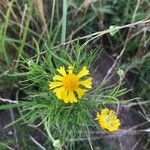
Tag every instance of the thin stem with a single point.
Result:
(64, 20)
(52, 17)
(48, 132)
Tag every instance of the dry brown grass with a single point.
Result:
(4, 3)
(39, 9)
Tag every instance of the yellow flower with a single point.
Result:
(108, 120)
(69, 86)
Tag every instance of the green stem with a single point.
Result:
(48, 132)
(52, 17)
(64, 20)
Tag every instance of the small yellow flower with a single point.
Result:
(108, 120)
(69, 86)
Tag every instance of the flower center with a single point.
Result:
(108, 119)
(71, 82)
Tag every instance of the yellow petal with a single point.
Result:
(97, 116)
(112, 129)
(87, 83)
(62, 71)
(80, 92)
(64, 94)
(104, 111)
(58, 77)
(71, 97)
(54, 84)
(70, 69)
(83, 72)
(58, 92)
(103, 122)
(116, 122)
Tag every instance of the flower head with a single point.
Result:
(69, 86)
(108, 120)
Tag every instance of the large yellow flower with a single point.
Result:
(108, 120)
(68, 86)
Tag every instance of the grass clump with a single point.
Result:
(40, 106)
